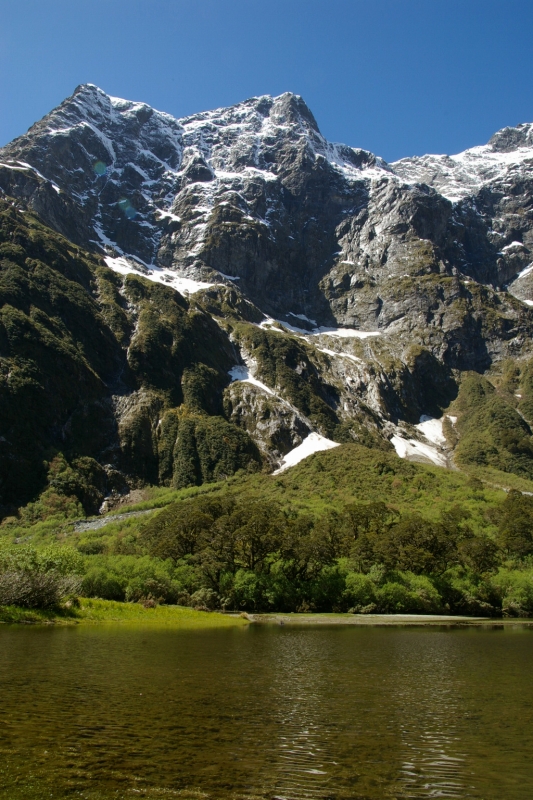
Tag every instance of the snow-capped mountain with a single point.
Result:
(255, 192)
(329, 293)
(124, 162)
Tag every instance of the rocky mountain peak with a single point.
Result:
(509, 139)
(255, 192)
(291, 109)
(508, 155)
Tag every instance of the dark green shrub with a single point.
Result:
(395, 598)
(100, 583)
(360, 591)
(515, 524)
(92, 547)
(516, 590)
(325, 592)
(248, 590)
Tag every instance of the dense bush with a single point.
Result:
(36, 589)
(136, 579)
(516, 590)
(515, 524)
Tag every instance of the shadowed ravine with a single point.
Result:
(267, 711)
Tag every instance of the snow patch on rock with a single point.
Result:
(335, 354)
(339, 333)
(525, 272)
(345, 333)
(157, 275)
(303, 318)
(229, 277)
(410, 448)
(431, 428)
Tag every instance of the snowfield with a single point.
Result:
(431, 428)
(313, 444)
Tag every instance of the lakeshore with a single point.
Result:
(418, 620)
(93, 611)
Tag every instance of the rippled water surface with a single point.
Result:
(266, 711)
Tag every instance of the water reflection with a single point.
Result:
(299, 714)
(429, 698)
(303, 764)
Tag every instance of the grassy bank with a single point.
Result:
(92, 611)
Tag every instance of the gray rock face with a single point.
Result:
(277, 426)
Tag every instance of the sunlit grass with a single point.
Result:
(98, 611)
(92, 610)
(14, 614)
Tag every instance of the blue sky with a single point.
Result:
(398, 77)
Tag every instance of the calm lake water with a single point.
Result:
(266, 711)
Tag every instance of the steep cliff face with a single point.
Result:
(258, 276)
(122, 376)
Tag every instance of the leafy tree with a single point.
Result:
(515, 524)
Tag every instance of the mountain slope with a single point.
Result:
(201, 294)
(92, 366)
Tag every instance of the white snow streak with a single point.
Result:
(339, 333)
(345, 333)
(524, 272)
(229, 277)
(340, 355)
(512, 246)
(168, 215)
(24, 166)
(241, 373)
(303, 317)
